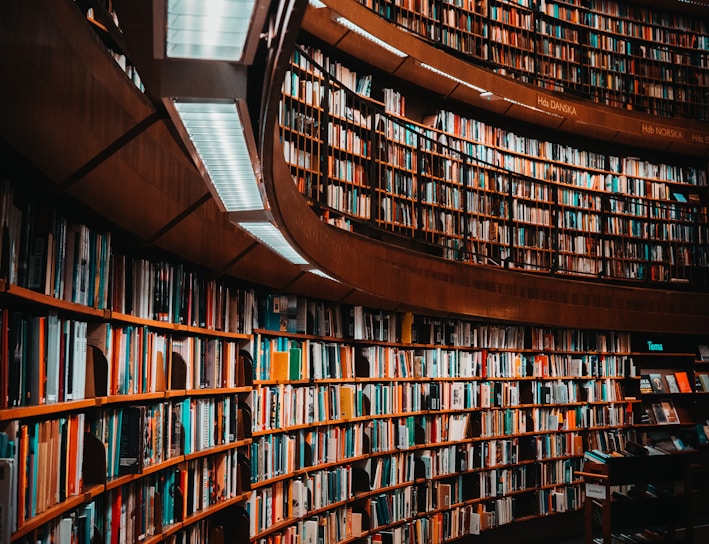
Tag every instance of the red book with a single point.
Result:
(116, 517)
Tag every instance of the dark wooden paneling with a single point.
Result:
(54, 110)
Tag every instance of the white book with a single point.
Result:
(78, 360)
(457, 396)
(310, 532)
(53, 357)
(64, 530)
(299, 505)
(68, 354)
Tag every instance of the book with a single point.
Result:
(668, 408)
(683, 382)
(672, 385)
(645, 384)
(444, 496)
(658, 383)
(7, 499)
(660, 415)
(131, 447)
(704, 381)
(648, 416)
(703, 352)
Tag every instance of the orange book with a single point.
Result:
(347, 401)
(22, 482)
(71, 457)
(683, 382)
(279, 365)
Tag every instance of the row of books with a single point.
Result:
(145, 508)
(439, 226)
(560, 499)
(48, 359)
(162, 291)
(511, 421)
(283, 359)
(43, 252)
(335, 525)
(286, 406)
(299, 315)
(662, 412)
(632, 167)
(42, 467)
(281, 454)
(137, 437)
(665, 382)
(457, 31)
(73, 262)
(561, 471)
(43, 359)
(82, 526)
(428, 516)
(635, 167)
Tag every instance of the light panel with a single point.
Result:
(268, 234)
(371, 37)
(452, 78)
(208, 29)
(322, 274)
(217, 133)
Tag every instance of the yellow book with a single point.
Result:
(280, 361)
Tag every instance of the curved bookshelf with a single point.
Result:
(625, 55)
(103, 408)
(466, 437)
(380, 268)
(469, 191)
(457, 78)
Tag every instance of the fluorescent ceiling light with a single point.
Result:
(453, 78)
(322, 274)
(217, 133)
(268, 234)
(359, 30)
(208, 29)
(487, 95)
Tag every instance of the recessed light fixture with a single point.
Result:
(208, 29)
(218, 134)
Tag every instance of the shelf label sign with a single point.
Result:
(699, 138)
(654, 346)
(556, 105)
(596, 491)
(664, 132)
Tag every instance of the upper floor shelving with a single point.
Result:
(622, 54)
(470, 191)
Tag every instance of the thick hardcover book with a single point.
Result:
(131, 447)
